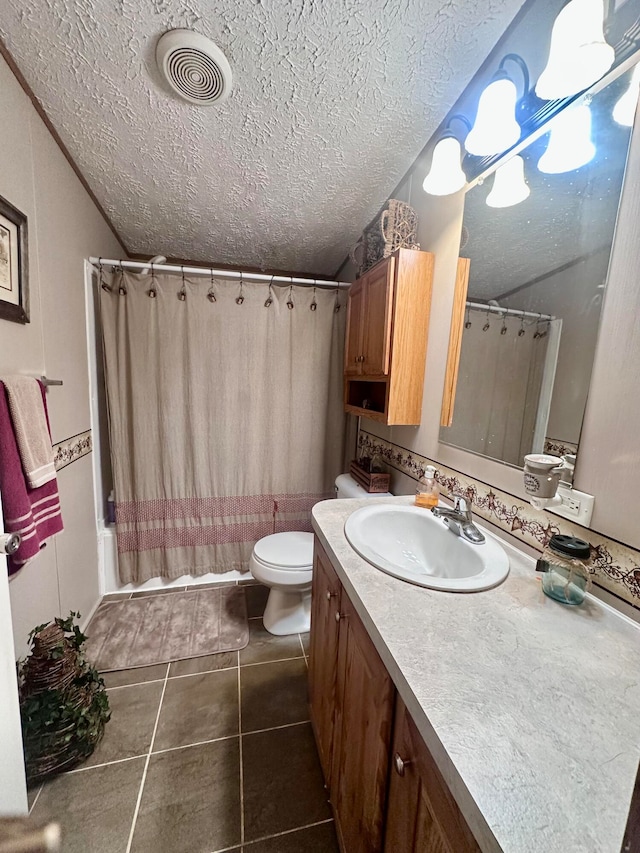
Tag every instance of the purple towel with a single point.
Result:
(33, 513)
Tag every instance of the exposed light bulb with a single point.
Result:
(625, 109)
(495, 128)
(570, 145)
(579, 54)
(445, 176)
(509, 184)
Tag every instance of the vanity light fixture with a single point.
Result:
(509, 184)
(579, 54)
(495, 128)
(625, 108)
(445, 175)
(570, 145)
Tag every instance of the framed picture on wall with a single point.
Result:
(14, 288)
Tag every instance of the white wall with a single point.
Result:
(64, 227)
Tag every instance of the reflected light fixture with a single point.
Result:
(509, 184)
(570, 145)
(495, 128)
(625, 109)
(445, 175)
(579, 54)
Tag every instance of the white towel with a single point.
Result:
(30, 426)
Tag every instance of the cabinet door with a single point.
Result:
(422, 816)
(364, 711)
(323, 654)
(377, 321)
(355, 325)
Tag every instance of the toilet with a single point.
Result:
(284, 562)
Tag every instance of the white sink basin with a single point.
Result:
(412, 544)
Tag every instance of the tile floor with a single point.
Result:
(203, 755)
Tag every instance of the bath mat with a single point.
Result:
(163, 628)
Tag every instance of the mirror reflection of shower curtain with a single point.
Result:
(226, 421)
(498, 396)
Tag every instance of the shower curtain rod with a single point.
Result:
(208, 272)
(515, 312)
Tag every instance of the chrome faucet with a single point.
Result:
(459, 519)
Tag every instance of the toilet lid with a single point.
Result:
(286, 550)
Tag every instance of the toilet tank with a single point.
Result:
(346, 487)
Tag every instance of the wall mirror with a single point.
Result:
(536, 283)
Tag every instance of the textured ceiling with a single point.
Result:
(332, 101)
(566, 216)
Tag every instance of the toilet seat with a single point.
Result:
(285, 551)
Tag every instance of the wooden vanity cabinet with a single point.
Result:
(422, 816)
(323, 655)
(352, 699)
(385, 789)
(386, 338)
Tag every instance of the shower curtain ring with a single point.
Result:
(152, 289)
(467, 324)
(521, 331)
(290, 300)
(240, 297)
(336, 305)
(182, 293)
(211, 295)
(269, 300)
(537, 334)
(487, 324)
(314, 304)
(103, 283)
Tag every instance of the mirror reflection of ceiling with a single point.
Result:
(570, 215)
(331, 103)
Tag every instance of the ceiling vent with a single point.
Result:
(194, 67)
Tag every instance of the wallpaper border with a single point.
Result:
(615, 566)
(71, 449)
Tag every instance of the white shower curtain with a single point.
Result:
(225, 417)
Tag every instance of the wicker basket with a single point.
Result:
(63, 702)
(395, 228)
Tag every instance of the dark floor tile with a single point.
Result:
(273, 694)
(198, 708)
(206, 663)
(283, 785)
(138, 675)
(221, 585)
(94, 807)
(257, 595)
(314, 839)
(145, 593)
(116, 596)
(191, 800)
(133, 717)
(264, 646)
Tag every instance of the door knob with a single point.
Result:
(9, 543)
(399, 764)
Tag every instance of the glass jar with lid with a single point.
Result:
(565, 564)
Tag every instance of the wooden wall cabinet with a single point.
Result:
(385, 789)
(386, 338)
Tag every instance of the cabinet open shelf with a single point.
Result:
(364, 397)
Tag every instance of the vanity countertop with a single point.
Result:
(530, 708)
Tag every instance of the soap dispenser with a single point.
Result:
(427, 492)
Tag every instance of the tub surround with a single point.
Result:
(616, 566)
(527, 706)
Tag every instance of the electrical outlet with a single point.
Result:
(576, 506)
